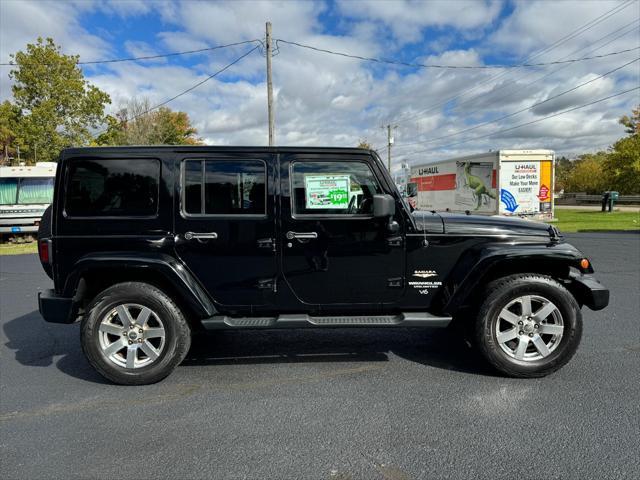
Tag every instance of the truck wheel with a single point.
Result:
(528, 325)
(134, 334)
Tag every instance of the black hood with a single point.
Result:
(480, 225)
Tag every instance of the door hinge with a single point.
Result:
(395, 241)
(267, 243)
(397, 282)
(268, 284)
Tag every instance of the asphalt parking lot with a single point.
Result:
(326, 404)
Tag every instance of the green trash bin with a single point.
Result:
(609, 199)
(614, 197)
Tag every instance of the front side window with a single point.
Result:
(114, 187)
(224, 187)
(333, 188)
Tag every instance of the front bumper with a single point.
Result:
(590, 291)
(56, 309)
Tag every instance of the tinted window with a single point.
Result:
(113, 187)
(333, 188)
(221, 187)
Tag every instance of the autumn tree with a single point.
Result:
(137, 123)
(57, 107)
(365, 144)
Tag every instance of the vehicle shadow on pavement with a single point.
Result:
(40, 344)
(437, 348)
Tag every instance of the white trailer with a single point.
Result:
(503, 182)
(25, 193)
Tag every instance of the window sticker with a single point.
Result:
(327, 191)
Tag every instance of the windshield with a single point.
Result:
(26, 191)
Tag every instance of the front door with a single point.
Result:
(335, 254)
(226, 227)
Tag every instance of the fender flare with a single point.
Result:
(476, 264)
(166, 266)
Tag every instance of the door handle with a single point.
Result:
(200, 236)
(301, 235)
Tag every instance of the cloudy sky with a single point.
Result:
(324, 99)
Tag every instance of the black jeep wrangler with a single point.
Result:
(148, 245)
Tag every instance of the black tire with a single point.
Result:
(44, 228)
(498, 295)
(176, 329)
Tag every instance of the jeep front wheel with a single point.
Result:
(528, 325)
(134, 334)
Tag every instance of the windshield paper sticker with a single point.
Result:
(327, 191)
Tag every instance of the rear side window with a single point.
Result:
(224, 187)
(118, 187)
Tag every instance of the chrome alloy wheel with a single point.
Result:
(131, 336)
(529, 328)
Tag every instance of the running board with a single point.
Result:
(414, 319)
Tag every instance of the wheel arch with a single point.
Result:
(94, 273)
(480, 268)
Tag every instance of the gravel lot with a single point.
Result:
(326, 404)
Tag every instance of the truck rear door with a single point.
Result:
(226, 226)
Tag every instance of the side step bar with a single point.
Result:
(413, 319)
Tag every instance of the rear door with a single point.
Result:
(226, 227)
(335, 253)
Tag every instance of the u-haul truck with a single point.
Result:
(503, 182)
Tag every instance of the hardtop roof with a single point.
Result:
(210, 148)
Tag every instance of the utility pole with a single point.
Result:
(270, 87)
(389, 143)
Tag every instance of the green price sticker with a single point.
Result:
(338, 197)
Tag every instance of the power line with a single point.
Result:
(421, 65)
(151, 57)
(530, 122)
(587, 26)
(226, 67)
(465, 130)
(510, 94)
(512, 82)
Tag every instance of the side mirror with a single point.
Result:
(383, 206)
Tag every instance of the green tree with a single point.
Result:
(564, 168)
(622, 165)
(632, 123)
(588, 174)
(58, 107)
(9, 138)
(136, 124)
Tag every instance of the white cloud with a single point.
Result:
(23, 22)
(408, 18)
(330, 100)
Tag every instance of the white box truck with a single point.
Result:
(501, 182)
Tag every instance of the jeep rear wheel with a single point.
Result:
(134, 334)
(528, 325)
